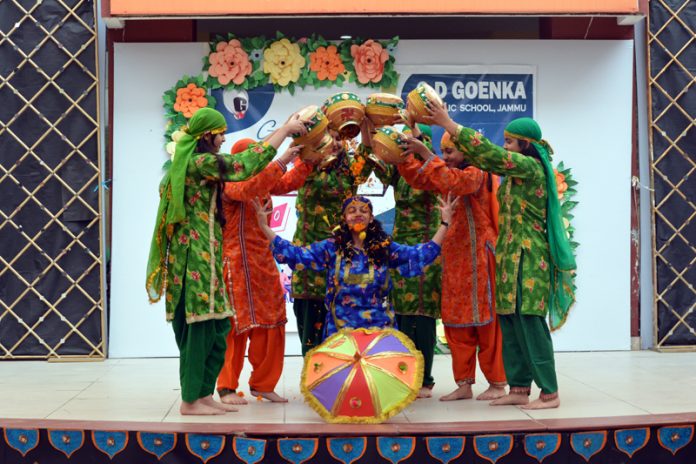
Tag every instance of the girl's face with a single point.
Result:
(512, 144)
(452, 157)
(357, 213)
(217, 141)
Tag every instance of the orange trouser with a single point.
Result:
(266, 351)
(463, 342)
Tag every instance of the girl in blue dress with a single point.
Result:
(357, 258)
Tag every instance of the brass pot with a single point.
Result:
(319, 151)
(316, 123)
(386, 145)
(419, 98)
(345, 113)
(382, 108)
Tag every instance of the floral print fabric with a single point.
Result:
(416, 220)
(357, 293)
(195, 250)
(522, 246)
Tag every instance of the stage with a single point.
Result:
(615, 407)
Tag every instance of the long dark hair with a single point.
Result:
(205, 145)
(526, 148)
(376, 242)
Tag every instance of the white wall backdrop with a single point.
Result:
(583, 103)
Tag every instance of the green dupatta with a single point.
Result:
(171, 209)
(562, 257)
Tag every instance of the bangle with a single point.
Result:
(283, 166)
(424, 165)
(446, 224)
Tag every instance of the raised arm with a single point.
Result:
(412, 172)
(483, 153)
(293, 179)
(410, 260)
(438, 176)
(257, 186)
(314, 256)
(235, 168)
(261, 184)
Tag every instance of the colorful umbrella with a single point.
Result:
(362, 375)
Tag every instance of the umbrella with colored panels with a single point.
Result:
(362, 375)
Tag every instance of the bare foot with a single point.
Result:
(539, 404)
(511, 399)
(463, 392)
(209, 401)
(270, 396)
(198, 408)
(492, 393)
(425, 392)
(233, 398)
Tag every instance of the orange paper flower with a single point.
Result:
(369, 59)
(190, 99)
(229, 63)
(326, 62)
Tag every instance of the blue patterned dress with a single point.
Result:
(357, 293)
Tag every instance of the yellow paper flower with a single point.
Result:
(283, 61)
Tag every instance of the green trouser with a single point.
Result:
(527, 349)
(201, 352)
(421, 329)
(311, 316)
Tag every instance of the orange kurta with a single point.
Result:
(468, 252)
(253, 281)
(468, 267)
(251, 274)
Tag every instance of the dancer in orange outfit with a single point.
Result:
(253, 280)
(468, 270)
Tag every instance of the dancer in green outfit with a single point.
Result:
(185, 261)
(533, 255)
(416, 299)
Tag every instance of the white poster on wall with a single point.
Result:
(568, 86)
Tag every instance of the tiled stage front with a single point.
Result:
(616, 407)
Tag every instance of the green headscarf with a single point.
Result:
(562, 258)
(171, 208)
(427, 134)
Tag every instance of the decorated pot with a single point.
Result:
(381, 108)
(385, 144)
(345, 112)
(417, 100)
(316, 122)
(318, 151)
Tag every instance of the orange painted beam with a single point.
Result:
(333, 7)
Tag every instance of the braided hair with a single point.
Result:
(205, 145)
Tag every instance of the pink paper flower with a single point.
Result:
(229, 63)
(369, 59)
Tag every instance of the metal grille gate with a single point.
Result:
(672, 52)
(51, 295)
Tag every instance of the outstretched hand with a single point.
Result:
(291, 153)
(262, 211)
(446, 206)
(295, 126)
(437, 115)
